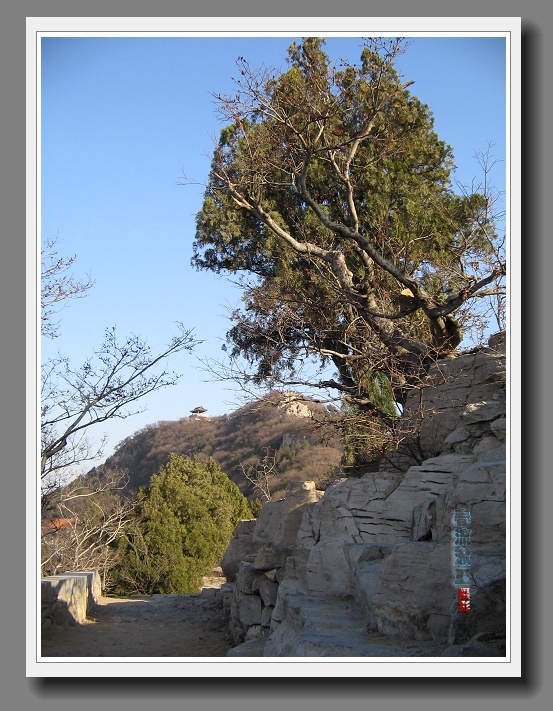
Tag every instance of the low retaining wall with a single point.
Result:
(67, 599)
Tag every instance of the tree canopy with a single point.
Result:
(330, 194)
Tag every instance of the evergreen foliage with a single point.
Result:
(185, 520)
(330, 191)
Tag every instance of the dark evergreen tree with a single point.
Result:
(185, 520)
(330, 192)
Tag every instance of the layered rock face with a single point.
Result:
(256, 558)
(406, 561)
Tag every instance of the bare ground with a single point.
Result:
(145, 626)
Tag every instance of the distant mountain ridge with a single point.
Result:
(296, 434)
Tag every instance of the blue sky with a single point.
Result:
(124, 118)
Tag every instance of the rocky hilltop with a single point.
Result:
(409, 560)
(294, 435)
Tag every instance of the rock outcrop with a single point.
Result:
(256, 558)
(405, 561)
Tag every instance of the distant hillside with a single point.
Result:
(294, 434)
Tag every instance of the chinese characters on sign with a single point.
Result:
(462, 556)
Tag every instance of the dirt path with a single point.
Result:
(145, 626)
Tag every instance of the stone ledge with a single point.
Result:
(66, 599)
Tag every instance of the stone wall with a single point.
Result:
(68, 598)
(373, 558)
(256, 557)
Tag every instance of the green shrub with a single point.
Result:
(185, 520)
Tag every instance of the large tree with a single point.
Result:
(330, 193)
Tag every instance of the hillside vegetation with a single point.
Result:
(275, 437)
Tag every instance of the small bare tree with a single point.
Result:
(259, 475)
(84, 522)
(57, 286)
(107, 385)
